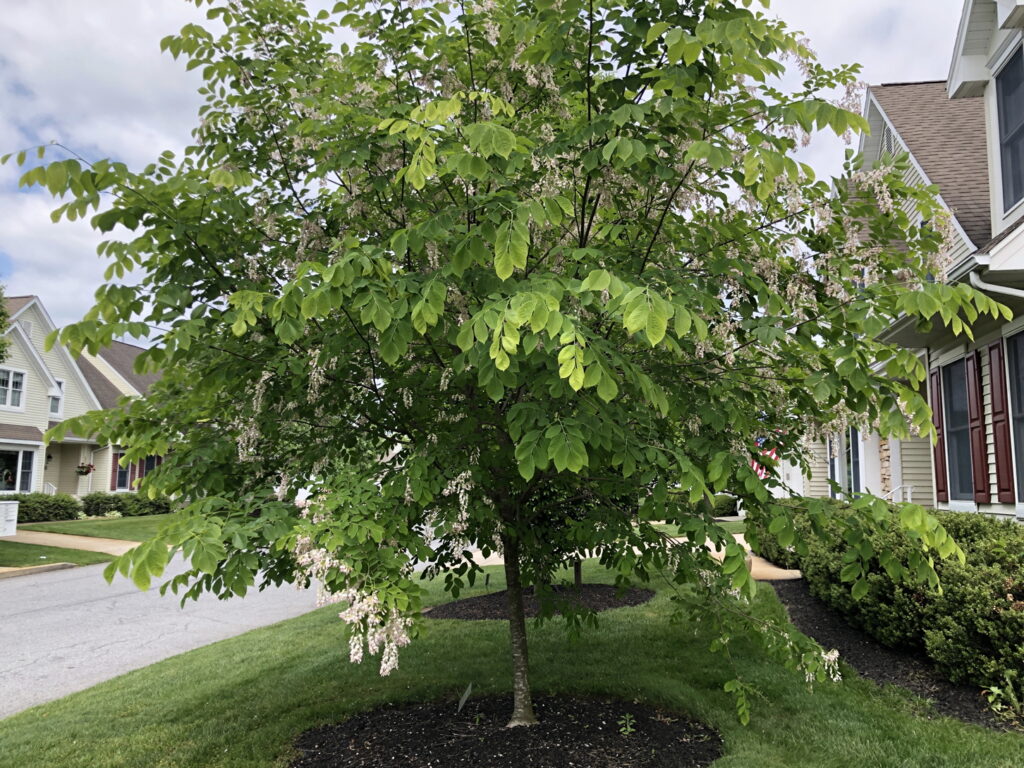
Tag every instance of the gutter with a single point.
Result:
(1003, 290)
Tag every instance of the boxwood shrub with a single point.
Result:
(973, 631)
(42, 507)
(99, 503)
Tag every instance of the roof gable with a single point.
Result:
(947, 139)
(121, 357)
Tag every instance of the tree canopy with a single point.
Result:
(489, 254)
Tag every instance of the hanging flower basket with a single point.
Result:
(85, 469)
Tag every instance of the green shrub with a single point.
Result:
(726, 505)
(126, 504)
(99, 503)
(42, 507)
(138, 506)
(973, 631)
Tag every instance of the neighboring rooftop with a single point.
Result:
(101, 386)
(121, 357)
(947, 138)
(16, 303)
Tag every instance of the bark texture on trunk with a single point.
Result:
(522, 709)
(577, 572)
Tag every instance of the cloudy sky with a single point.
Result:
(91, 75)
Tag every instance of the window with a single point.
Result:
(16, 470)
(12, 388)
(1010, 96)
(958, 432)
(57, 403)
(844, 463)
(1015, 364)
(853, 461)
(149, 465)
(123, 480)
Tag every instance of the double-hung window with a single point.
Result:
(12, 388)
(57, 401)
(123, 478)
(958, 431)
(1010, 97)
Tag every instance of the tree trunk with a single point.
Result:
(577, 572)
(522, 709)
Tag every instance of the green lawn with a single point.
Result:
(242, 701)
(15, 555)
(127, 528)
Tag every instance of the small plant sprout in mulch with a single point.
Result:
(574, 732)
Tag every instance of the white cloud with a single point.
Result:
(91, 75)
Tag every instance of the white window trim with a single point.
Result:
(21, 449)
(60, 401)
(24, 389)
(960, 505)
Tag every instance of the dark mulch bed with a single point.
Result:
(883, 665)
(573, 732)
(590, 597)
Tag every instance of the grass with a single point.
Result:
(126, 528)
(16, 555)
(240, 703)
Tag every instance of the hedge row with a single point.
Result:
(973, 631)
(43, 507)
(127, 504)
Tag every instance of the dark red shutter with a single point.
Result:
(939, 450)
(133, 469)
(1001, 424)
(976, 419)
(113, 471)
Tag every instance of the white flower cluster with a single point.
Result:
(374, 627)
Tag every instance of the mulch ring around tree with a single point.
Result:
(874, 661)
(590, 597)
(572, 733)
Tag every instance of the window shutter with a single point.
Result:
(113, 470)
(976, 419)
(939, 449)
(1001, 424)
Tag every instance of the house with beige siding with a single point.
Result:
(39, 388)
(966, 136)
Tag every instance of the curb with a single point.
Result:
(30, 569)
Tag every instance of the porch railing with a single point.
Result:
(49, 489)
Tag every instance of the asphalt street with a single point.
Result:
(64, 631)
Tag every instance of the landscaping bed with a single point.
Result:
(588, 597)
(573, 732)
(885, 666)
(248, 699)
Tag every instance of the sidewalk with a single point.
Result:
(89, 543)
(760, 568)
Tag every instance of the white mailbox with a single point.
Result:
(8, 518)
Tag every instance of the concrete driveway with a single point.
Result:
(67, 630)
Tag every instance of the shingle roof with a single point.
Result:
(947, 138)
(121, 357)
(101, 386)
(16, 303)
(20, 432)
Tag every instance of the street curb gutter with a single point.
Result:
(30, 569)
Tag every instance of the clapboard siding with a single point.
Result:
(916, 466)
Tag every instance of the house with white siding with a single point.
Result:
(40, 388)
(966, 136)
